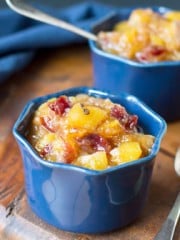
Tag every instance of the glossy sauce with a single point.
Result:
(145, 37)
(86, 131)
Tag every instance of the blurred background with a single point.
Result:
(62, 3)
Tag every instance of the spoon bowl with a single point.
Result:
(168, 228)
(177, 162)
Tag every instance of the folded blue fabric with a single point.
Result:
(21, 37)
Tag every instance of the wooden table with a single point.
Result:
(51, 71)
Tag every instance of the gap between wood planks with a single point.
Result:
(14, 227)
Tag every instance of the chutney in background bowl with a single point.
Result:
(82, 200)
(155, 83)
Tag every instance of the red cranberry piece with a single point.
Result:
(157, 50)
(46, 150)
(128, 121)
(60, 105)
(119, 113)
(94, 142)
(150, 54)
(132, 122)
(47, 123)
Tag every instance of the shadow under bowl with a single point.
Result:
(76, 199)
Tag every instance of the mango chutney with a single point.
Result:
(86, 131)
(146, 36)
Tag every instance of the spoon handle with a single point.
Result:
(28, 11)
(168, 228)
(177, 162)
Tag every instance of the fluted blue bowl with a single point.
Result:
(76, 199)
(157, 84)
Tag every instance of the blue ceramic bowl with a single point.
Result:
(81, 200)
(157, 84)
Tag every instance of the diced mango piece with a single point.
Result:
(173, 15)
(88, 117)
(125, 152)
(96, 161)
(140, 16)
(145, 141)
(110, 128)
(156, 40)
(127, 39)
(45, 140)
(121, 27)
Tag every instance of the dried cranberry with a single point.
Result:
(132, 122)
(127, 120)
(157, 50)
(47, 123)
(94, 142)
(150, 54)
(119, 113)
(46, 150)
(60, 105)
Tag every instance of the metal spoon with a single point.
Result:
(29, 11)
(177, 162)
(167, 230)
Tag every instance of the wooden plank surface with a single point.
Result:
(49, 72)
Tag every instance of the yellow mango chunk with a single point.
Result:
(146, 141)
(121, 27)
(88, 117)
(45, 140)
(173, 15)
(110, 128)
(139, 17)
(126, 152)
(96, 161)
(156, 40)
(127, 39)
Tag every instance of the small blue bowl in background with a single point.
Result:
(76, 199)
(157, 84)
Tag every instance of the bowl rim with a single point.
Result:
(98, 51)
(87, 90)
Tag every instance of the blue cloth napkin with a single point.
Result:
(21, 37)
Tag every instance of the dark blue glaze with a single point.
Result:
(81, 200)
(157, 84)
